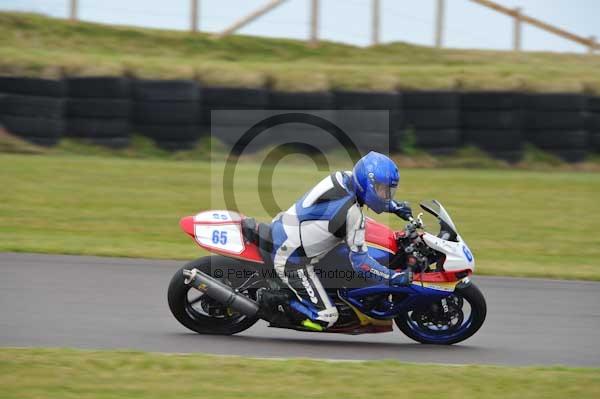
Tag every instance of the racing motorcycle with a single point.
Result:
(220, 294)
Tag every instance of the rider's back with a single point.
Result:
(316, 223)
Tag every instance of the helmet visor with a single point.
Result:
(384, 191)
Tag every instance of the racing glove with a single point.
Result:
(401, 209)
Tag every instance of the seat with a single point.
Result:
(259, 235)
(250, 230)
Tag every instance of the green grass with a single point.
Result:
(518, 223)
(36, 45)
(62, 373)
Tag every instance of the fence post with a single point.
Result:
(73, 11)
(194, 7)
(439, 24)
(375, 22)
(517, 29)
(593, 45)
(314, 23)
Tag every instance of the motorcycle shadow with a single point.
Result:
(357, 342)
(363, 347)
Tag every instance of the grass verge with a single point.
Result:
(63, 373)
(518, 223)
(41, 46)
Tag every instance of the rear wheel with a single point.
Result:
(200, 313)
(446, 322)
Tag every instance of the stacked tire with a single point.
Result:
(99, 110)
(593, 123)
(33, 108)
(228, 112)
(305, 105)
(556, 124)
(167, 111)
(433, 117)
(370, 130)
(492, 122)
(301, 101)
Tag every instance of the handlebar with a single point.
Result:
(415, 223)
(415, 244)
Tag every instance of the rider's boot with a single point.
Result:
(272, 305)
(306, 315)
(282, 308)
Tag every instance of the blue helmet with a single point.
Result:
(376, 179)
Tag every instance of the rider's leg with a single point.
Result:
(290, 266)
(311, 299)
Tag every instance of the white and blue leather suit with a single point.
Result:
(327, 215)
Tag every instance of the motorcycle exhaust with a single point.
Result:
(220, 292)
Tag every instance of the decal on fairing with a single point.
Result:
(217, 216)
(441, 286)
(226, 237)
(467, 253)
(219, 230)
(458, 255)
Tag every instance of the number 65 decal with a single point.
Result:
(219, 237)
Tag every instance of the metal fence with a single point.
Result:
(517, 14)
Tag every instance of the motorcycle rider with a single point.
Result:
(328, 214)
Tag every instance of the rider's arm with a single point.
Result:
(361, 262)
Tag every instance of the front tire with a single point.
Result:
(421, 332)
(192, 314)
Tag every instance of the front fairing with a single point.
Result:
(448, 241)
(427, 287)
(458, 255)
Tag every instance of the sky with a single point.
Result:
(467, 25)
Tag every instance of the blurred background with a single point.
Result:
(491, 107)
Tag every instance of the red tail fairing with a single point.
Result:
(220, 232)
(187, 225)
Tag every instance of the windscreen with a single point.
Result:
(436, 209)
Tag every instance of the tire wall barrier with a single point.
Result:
(319, 103)
(33, 108)
(492, 121)
(229, 126)
(99, 110)
(378, 133)
(593, 122)
(433, 119)
(176, 113)
(557, 123)
(167, 111)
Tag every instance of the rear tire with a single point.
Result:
(470, 294)
(195, 321)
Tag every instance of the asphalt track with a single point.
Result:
(106, 303)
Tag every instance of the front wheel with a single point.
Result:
(200, 313)
(446, 322)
